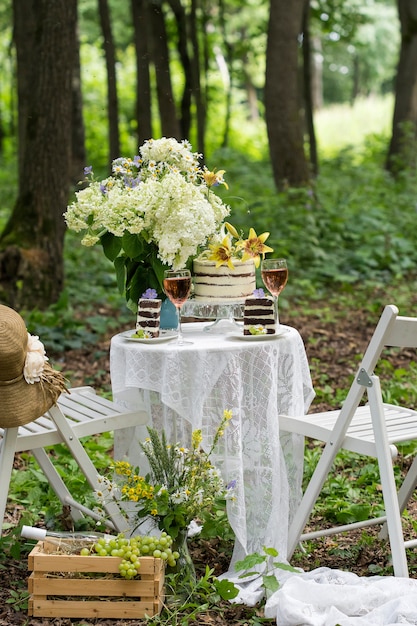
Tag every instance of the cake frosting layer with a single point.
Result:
(259, 312)
(149, 316)
(222, 284)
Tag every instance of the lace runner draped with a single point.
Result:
(188, 388)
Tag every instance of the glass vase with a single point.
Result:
(169, 316)
(184, 565)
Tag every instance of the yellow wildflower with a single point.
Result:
(232, 230)
(212, 179)
(222, 253)
(254, 246)
(196, 438)
(227, 414)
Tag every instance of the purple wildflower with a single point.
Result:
(259, 293)
(88, 170)
(150, 294)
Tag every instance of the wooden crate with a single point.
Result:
(69, 585)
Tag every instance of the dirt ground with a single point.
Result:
(334, 345)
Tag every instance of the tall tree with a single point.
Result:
(170, 126)
(112, 99)
(308, 86)
(404, 127)
(283, 110)
(182, 46)
(31, 245)
(78, 129)
(141, 25)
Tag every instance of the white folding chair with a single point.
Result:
(373, 430)
(77, 414)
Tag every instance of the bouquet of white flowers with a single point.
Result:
(153, 212)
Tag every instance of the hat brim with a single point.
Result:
(22, 403)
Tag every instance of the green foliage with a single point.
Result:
(263, 565)
(184, 603)
(353, 225)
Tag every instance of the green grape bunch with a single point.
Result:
(130, 550)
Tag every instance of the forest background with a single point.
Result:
(252, 85)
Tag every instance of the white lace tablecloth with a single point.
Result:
(189, 387)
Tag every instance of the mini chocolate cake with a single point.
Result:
(149, 316)
(259, 312)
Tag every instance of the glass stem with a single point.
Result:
(276, 312)
(180, 336)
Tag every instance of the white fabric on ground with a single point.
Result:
(327, 597)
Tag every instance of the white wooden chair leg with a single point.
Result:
(389, 490)
(55, 481)
(86, 466)
(7, 452)
(404, 494)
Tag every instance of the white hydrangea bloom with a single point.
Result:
(160, 195)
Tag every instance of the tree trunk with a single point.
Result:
(404, 128)
(308, 87)
(78, 130)
(112, 100)
(141, 25)
(181, 20)
(168, 115)
(282, 94)
(199, 96)
(31, 245)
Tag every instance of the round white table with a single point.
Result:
(185, 388)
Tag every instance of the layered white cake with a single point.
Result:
(259, 315)
(222, 284)
(149, 316)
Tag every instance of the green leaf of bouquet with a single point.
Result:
(133, 245)
(270, 583)
(271, 552)
(226, 589)
(138, 282)
(111, 245)
(250, 561)
(119, 266)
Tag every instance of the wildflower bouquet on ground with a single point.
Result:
(228, 245)
(153, 212)
(181, 484)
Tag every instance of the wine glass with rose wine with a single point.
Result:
(274, 274)
(177, 286)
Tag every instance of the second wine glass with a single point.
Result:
(274, 274)
(177, 286)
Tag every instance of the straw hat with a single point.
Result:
(28, 385)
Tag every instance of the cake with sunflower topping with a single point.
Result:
(225, 272)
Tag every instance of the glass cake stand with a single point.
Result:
(225, 314)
